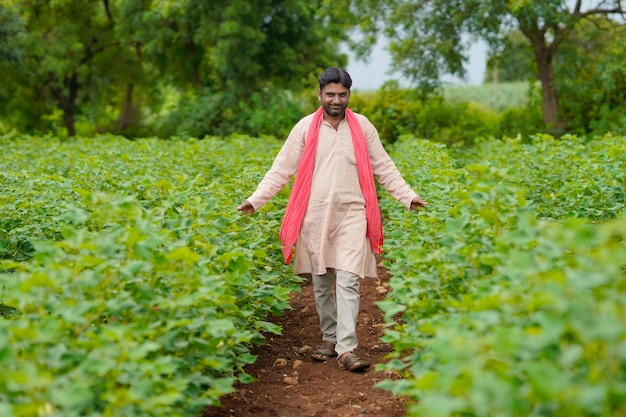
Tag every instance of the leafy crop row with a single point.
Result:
(509, 292)
(566, 177)
(131, 285)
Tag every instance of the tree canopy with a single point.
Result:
(590, 71)
(108, 63)
(72, 56)
(430, 38)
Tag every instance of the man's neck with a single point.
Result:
(334, 120)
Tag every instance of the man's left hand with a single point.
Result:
(417, 203)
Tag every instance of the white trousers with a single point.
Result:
(337, 298)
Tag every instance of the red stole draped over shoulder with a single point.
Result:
(299, 197)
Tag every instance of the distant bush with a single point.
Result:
(612, 120)
(523, 121)
(396, 112)
(460, 114)
(210, 113)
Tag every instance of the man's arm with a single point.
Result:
(283, 168)
(386, 172)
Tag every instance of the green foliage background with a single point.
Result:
(509, 291)
(149, 68)
(130, 284)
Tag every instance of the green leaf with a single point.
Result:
(6, 355)
(481, 169)
(438, 405)
(390, 308)
(247, 358)
(72, 395)
(546, 379)
(49, 329)
(38, 279)
(245, 378)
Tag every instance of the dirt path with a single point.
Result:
(291, 384)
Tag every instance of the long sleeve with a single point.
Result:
(383, 167)
(284, 166)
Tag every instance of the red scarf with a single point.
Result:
(299, 197)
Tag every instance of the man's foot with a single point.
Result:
(352, 363)
(324, 352)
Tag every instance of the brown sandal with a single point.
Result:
(352, 363)
(324, 352)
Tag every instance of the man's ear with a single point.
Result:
(319, 95)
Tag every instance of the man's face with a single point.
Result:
(334, 98)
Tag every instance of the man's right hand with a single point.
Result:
(246, 207)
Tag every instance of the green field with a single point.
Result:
(131, 286)
(498, 97)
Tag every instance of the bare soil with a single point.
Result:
(291, 384)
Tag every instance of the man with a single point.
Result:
(333, 212)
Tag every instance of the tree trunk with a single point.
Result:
(69, 111)
(70, 122)
(129, 115)
(494, 78)
(549, 102)
(66, 96)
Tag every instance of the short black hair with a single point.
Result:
(335, 75)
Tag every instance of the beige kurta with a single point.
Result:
(334, 226)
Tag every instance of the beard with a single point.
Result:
(333, 110)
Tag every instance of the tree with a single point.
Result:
(233, 45)
(592, 77)
(10, 27)
(75, 55)
(429, 38)
(229, 50)
(590, 73)
(62, 46)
